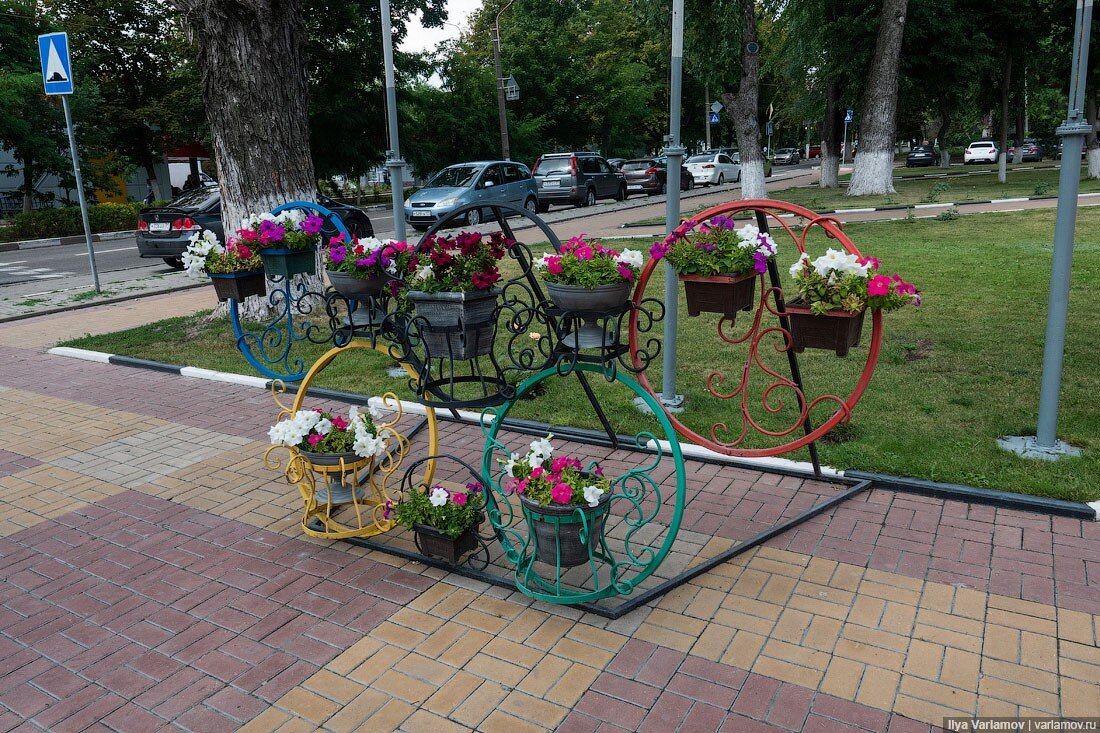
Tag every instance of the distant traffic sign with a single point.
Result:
(771, 127)
(716, 107)
(849, 115)
(57, 69)
(714, 119)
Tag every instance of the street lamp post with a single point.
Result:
(393, 155)
(674, 155)
(504, 146)
(1045, 444)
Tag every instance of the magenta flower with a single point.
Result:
(537, 472)
(311, 224)
(659, 250)
(760, 262)
(626, 273)
(336, 255)
(473, 487)
(387, 510)
(553, 265)
(271, 232)
(458, 498)
(315, 438)
(871, 262)
(561, 493)
(339, 423)
(583, 252)
(879, 285)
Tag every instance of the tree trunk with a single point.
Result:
(874, 166)
(251, 56)
(1002, 152)
(830, 135)
(1092, 141)
(28, 184)
(743, 109)
(945, 125)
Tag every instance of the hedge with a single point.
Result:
(65, 221)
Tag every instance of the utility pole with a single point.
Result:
(1045, 444)
(674, 155)
(706, 112)
(505, 149)
(393, 155)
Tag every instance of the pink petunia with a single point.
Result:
(879, 285)
(458, 498)
(537, 472)
(561, 493)
(583, 253)
(625, 272)
(339, 423)
(315, 438)
(559, 464)
(553, 265)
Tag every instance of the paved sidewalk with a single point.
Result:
(155, 576)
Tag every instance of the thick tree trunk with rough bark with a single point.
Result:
(874, 166)
(830, 135)
(1002, 148)
(252, 57)
(743, 109)
(1092, 141)
(945, 126)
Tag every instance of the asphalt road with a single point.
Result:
(58, 263)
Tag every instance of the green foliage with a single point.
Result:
(452, 518)
(66, 221)
(1042, 189)
(840, 281)
(934, 193)
(949, 215)
(465, 262)
(589, 265)
(556, 481)
(719, 250)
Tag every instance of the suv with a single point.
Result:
(576, 178)
(165, 232)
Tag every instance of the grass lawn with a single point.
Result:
(954, 374)
(912, 190)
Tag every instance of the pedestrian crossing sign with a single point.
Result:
(57, 68)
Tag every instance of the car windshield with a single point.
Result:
(552, 165)
(638, 165)
(981, 145)
(457, 176)
(701, 158)
(922, 149)
(200, 198)
(786, 151)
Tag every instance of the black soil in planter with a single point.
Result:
(837, 331)
(238, 285)
(558, 528)
(435, 543)
(724, 294)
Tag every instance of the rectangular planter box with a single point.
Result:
(460, 326)
(725, 294)
(837, 331)
(281, 262)
(436, 544)
(239, 285)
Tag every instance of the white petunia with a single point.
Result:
(541, 450)
(631, 257)
(766, 244)
(439, 496)
(323, 426)
(796, 268)
(286, 433)
(510, 465)
(369, 446)
(831, 260)
(391, 268)
(748, 232)
(370, 244)
(374, 412)
(425, 273)
(592, 495)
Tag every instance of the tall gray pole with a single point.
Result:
(706, 111)
(393, 155)
(1045, 444)
(674, 154)
(505, 148)
(80, 190)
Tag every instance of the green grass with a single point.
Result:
(90, 295)
(30, 301)
(924, 190)
(953, 376)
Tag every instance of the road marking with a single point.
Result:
(23, 262)
(853, 211)
(1009, 201)
(931, 206)
(105, 251)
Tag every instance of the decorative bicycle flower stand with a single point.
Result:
(638, 543)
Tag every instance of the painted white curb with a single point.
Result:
(1009, 201)
(698, 451)
(84, 354)
(229, 377)
(931, 206)
(855, 211)
(1096, 508)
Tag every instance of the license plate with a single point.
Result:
(551, 183)
(635, 187)
(422, 215)
(159, 226)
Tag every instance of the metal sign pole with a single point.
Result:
(80, 191)
(393, 155)
(674, 155)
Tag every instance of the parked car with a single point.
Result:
(814, 151)
(1058, 152)
(650, 175)
(982, 151)
(165, 232)
(1032, 151)
(713, 168)
(920, 155)
(579, 179)
(616, 163)
(484, 182)
(787, 156)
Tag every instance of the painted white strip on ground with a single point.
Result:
(697, 451)
(1083, 195)
(84, 354)
(1009, 201)
(1096, 508)
(105, 251)
(854, 211)
(214, 376)
(931, 206)
(9, 264)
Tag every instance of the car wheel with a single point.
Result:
(664, 188)
(176, 263)
(531, 205)
(359, 228)
(721, 179)
(590, 197)
(690, 183)
(738, 176)
(420, 227)
(473, 217)
(543, 207)
(621, 196)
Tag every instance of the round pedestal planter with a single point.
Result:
(365, 292)
(282, 262)
(335, 486)
(433, 542)
(589, 305)
(724, 294)
(238, 285)
(836, 331)
(459, 325)
(556, 531)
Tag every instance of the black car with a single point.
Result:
(920, 155)
(165, 232)
(649, 175)
(576, 178)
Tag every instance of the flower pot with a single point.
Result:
(365, 292)
(283, 262)
(725, 294)
(238, 285)
(589, 304)
(433, 542)
(457, 326)
(557, 529)
(837, 330)
(336, 487)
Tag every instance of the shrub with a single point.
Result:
(66, 222)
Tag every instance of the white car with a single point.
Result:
(982, 151)
(713, 168)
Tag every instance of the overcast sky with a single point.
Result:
(426, 39)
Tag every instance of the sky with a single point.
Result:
(420, 38)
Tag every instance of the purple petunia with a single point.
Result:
(760, 261)
(336, 255)
(311, 224)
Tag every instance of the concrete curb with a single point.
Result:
(93, 304)
(901, 484)
(61, 241)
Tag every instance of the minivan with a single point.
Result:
(579, 179)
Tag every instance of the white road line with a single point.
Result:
(105, 251)
(23, 262)
(931, 206)
(854, 211)
(1009, 201)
